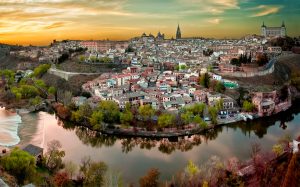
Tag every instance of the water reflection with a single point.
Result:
(184, 144)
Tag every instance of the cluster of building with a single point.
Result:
(163, 90)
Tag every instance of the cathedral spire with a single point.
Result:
(178, 33)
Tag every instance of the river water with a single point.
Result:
(134, 156)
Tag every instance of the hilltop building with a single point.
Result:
(273, 31)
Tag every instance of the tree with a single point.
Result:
(54, 155)
(277, 149)
(40, 83)
(83, 113)
(61, 179)
(35, 101)
(235, 61)
(126, 117)
(187, 117)
(146, 111)
(63, 58)
(213, 112)
(110, 110)
(219, 104)
(81, 58)
(41, 70)
(95, 174)
(262, 59)
(219, 87)
(204, 80)
(198, 109)
(66, 97)
(166, 120)
(248, 106)
(20, 164)
(198, 120)
(52, 90)
(96, 120)
(70, 168)
(192, 169)
(151, 179)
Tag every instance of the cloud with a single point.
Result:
(265, 10)
(214, 21)
(213, 6)
(55, 25)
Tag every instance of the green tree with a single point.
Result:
(95, 173)
(166, 120)
(96, 120)
(219, 104)
(93, 58)
(110, 110)
(204, 80)
(151, 179)
(20, 164)
(146, 112)
(41, 70)
(126, 117)
(182, 67)
(213, 112)
(187, 117)
(54, 155)
(52, 90)
(198, 109)
(40, 83)
(219, 87)
(35, 101)
(83, 113)
(81, 58)
(198, 120)
(248, 106)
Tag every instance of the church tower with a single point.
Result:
(263, 30)
(178, 33)
(283, 30)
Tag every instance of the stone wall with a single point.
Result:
(268, 69)
(66, 75)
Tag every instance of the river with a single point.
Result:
(134, 156)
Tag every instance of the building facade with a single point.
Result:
(273, 31)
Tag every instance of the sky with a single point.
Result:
(38, 22)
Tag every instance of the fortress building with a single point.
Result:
(273, 31)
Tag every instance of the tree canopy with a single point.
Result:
(20, 164)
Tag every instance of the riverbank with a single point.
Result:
(186, 130)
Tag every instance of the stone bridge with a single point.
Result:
(67, 75)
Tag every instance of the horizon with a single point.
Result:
(39, 22)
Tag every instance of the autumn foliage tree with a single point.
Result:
(150, 179)
(61, 179)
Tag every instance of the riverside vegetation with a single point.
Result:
(275, 168)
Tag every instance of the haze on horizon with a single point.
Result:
(38, 22)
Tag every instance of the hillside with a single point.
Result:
(284, 68)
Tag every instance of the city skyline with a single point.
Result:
(38, 22)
